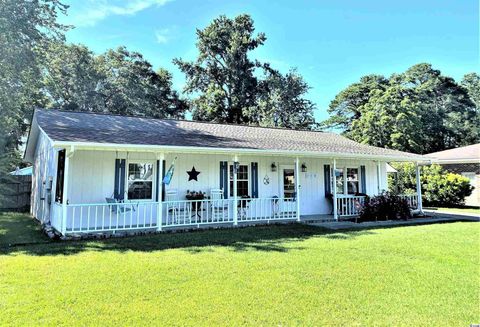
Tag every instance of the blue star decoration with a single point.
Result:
(193, 174)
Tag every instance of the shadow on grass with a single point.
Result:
(273, 238)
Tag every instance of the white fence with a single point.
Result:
(412, 200)
(197, 212)
(102, 217)
(266, 209)
(107, 217)
(201, 212)
(349, 205)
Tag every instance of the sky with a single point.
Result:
(331, 43)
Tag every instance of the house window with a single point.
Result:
(348, 183)
(140, 181)
(60, 176)
(242, 180)
(339, 180)
(352, 181)
(289, 183)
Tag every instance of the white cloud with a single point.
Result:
(91, 12)
(163, 35)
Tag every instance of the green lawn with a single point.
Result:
(273, 275)
(458, 210)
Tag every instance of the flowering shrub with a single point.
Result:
(386, 206)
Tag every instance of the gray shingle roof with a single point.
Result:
(66, 126)
(469, 152)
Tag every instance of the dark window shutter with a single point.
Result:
(363, 181)
(328, 184)
(224, 178)
(60, 176)
(163, 175)
(254, 179)
(119, 187)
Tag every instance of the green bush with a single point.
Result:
(439, 187)
(386, 206)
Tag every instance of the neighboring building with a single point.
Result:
(464, 161)
(103, 173)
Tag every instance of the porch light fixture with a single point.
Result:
(304, 168)
(274, 167)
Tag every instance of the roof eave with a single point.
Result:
(245, 151)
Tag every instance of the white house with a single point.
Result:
(101, 173)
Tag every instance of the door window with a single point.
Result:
(288, 183)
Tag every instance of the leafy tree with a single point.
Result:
(71, 77)
(118, 81)
(223, 74)
(347, 105)
(389, 119)
(282, 102)
(471, 82)
(419, 110)
(439, 187)
(27, 27)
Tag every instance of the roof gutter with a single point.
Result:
(191, 149)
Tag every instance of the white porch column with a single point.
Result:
(68, 154)
(235, 200)
(297, 186)
(334, 189)
(160, 158)
(378, 177)
(419, 191)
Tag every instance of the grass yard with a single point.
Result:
(458, 210)
(274, 275)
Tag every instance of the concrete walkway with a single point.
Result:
(432, 218)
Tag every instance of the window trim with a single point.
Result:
(249, 172)
(154, 175)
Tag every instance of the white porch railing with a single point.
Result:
(350, 205)
(197, 212)
(202, 212)
(267, 209)
(412, 200)
(103, 217)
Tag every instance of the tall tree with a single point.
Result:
(118, 81)
(26, 29)
(282, 102)
(223, 74)
(419, 110)
(471, 82)
(347, 105)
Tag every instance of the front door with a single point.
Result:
(287, 182)
(287, 188)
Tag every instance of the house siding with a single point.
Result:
(43, 172)
(91, 176)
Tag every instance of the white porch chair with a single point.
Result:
(173, 209)
(218, 204)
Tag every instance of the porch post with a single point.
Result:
(235, 200)
(68, 154)
(378, 177)
(334, 189)
(160, 157)
(297, 186)
(419, 191)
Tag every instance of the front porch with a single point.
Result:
(180, 214)
(109, 191)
